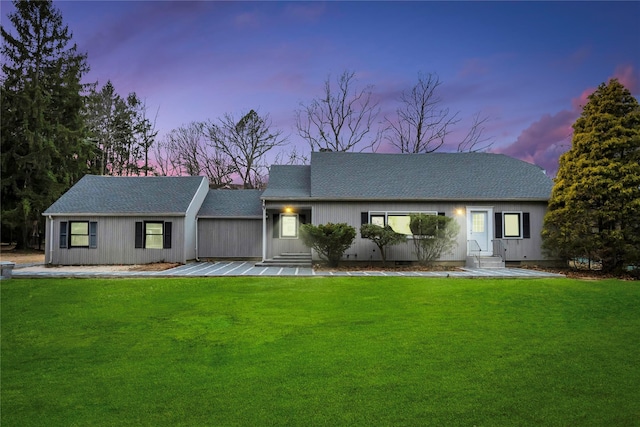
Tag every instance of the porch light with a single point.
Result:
(459, 211)
(288, 210)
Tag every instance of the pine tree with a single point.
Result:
(44, 146)
(121, 131)
(594, 211)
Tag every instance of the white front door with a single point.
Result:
(479, 231)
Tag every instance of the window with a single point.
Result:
(512, 225)
(398, 221)
(78, 234)
(377, 220)
(153, 235)
(289, 226)
(478, 220)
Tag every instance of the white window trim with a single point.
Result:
(504, 224)
(145, 234)
(386, 215)
(297, 217)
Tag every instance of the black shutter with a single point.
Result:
(139, 235)
(526, 225)
(440, 213)
(276, 223)
(93, 235)
(364, 218)
(498, 225)
(166, 241)
(63, 234)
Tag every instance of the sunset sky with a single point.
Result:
(527, 65)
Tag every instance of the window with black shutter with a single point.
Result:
(153, 234)
(63, 235)
(93, 235)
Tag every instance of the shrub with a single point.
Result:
(328, 240)
(382, 237)
(433, 236)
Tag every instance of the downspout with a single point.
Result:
(50, 240)
(197, 259)
(264, 231)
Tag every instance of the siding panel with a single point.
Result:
(365, 250)
(229, 238)
(116, 243)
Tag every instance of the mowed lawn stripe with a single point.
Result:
(320, 351)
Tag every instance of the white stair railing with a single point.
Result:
(474, 249)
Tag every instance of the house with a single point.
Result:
(230, 225)
(125, 220)
(498, 201)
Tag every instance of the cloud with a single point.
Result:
(474, 66)
(628, 77)
(574, 60)
(309, 12)
(546, 139)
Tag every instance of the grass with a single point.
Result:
(319, 352)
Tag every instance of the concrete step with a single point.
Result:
(287, 260)
(292, 255)
(484, 262)
(272, 263)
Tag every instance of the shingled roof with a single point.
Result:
(100, 195)
(435, 176)
(232, 203)
(288, 182)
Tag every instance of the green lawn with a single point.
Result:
(320, 351)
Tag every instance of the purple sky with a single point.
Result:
(528, 65)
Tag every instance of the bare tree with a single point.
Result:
(187, 147)
(186, 151)
(475, 139)
(245, 143)
(342, 119)
(291, 157)
(421, 124)
(162, 158)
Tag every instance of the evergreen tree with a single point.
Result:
(44, 146)
(121, 131)
(594, 211)
(329, 240)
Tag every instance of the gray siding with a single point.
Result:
(276, 245)
(365, 250)
(229, 238)
(525, 249)
(116, 243)
(190, 223)
(281, 246)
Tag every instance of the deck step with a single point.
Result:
(484, 262)
(287, 260)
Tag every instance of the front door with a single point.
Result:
(479, 231)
